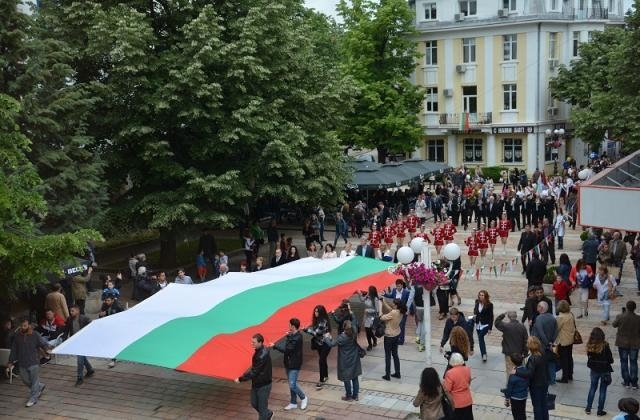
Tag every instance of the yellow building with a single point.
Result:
(486, 66)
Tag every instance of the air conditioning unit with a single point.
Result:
(553, 63)
(503, 13)
(552, 110)
(461, 68)
(448, 93)
(458, 17)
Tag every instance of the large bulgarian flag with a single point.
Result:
(206, 328)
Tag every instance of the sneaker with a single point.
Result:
(304, 403)
(634, 387)
(587, 410)
(601, 413)
(395, 375)
(345, 398)
(484, 358)
(31, 402)
(89, 373)
(418, 338)
(42, 387)
(319, 385)
(79, 382)
(291, 406)
(386, 377)
(355, 398)
(421, 348)
(111, 364)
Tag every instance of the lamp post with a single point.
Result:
(555, 142)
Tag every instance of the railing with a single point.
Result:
(474, 119)
(586, 14)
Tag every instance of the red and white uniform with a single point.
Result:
(482, 238)
(400, 227)
(438, 236)
(449, 231)
(504, 226)
(424, 236)
(473, 246)
(388, 233)
(374, 239)
(493, 235)
(412, 223)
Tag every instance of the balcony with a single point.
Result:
(460, 120)
(586, 14)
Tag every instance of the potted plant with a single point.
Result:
(548, 279)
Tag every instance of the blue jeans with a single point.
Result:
(629, 365)
(481, 343)
(31, 377)
(82, 362)
(352, 388)
(606, 304)
(391, 349)
(539, 402)
(294, 389)
(403, 323)
(260, 401)
(596, 377)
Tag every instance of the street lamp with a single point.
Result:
(554, 141)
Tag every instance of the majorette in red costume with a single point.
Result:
(412, 223)
(504, 226)
(472, 243)
(449, 231)
(482, 237)
(374, 237)
(388, 232)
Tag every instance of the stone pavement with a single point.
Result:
(132, 391)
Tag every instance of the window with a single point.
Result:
(432, 99)
(510, 47)
(468, 50)
(468, 7)
(553, 44)
(510, 97)
(431, 56)
(612, 7)
(547, 153)
(435, 150)
(512, 150)
(509, 4)
(554, 4)
(576, 43)
(470, 99)
(430, 11)
(472, 150)
(589, 36)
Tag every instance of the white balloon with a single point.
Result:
(451, 251)
(405, 255)
(417, 244)
(584, 174)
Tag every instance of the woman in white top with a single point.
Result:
(329, 252)
(606, 288)
(559, 226)
(421, 208)
(347, 251)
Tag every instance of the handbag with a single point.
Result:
(577, 338)
(378, 326)
(447, 406)
(606, 378)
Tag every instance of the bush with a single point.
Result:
(493, 172)
(550, 277)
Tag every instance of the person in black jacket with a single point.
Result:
(599, 361)
(260, 374)
(535, 271)
(483, 316)
(456, 318)
(292, 349)
(526, 243)
(531, 306)
(538, 374)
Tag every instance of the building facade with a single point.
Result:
(486, 67)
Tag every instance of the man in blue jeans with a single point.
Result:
(75, 323)
(628, 343)
(292, 349)
(260, 374)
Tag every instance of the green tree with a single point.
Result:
(602, 86)
(36, 69)
(380, 55)
(210, 108)
(25, 254)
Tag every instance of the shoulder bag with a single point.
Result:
(577, 338)
(448, 408)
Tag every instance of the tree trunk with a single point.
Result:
(168, 257)
(382, 154)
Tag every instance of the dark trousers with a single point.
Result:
(539, 402)
(391, 350)
(518, 409)
(372, 340)
(260, 401)
(565, 353)
(464, 413)
(443, 301)
(323, 353)
(403, 323)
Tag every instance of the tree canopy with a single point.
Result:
(602, 86)
(380, 55)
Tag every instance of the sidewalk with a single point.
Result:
(133, 391)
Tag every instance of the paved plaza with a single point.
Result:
(133, 391)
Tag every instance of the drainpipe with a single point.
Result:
(538, 100)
